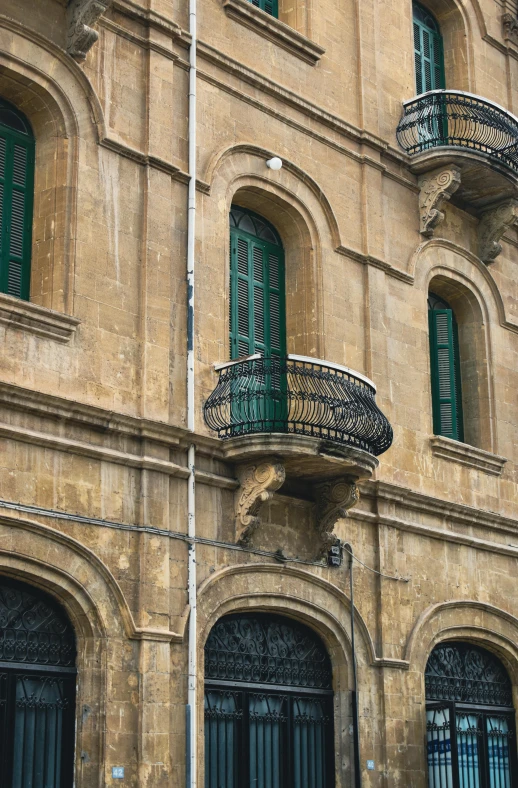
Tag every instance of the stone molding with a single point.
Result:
(36, 319)
(435, 188)
(334, 498)
(471, 456)
(274, 30)
(491, 228)
(81, 15)
(258, 483)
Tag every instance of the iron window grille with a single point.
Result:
(470, 719)
(268, 705)
(37, 689)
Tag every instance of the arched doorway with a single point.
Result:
(470, 724)
(37, 689)
(268, 705)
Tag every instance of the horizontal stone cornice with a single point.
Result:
(471, 456)
(412, 502)
(274, 30)
(36, 319)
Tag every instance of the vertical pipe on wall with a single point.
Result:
(356, 716)
(192, 690)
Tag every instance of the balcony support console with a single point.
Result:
(463, 147)
(301, 421)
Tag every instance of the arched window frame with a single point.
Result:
(270, 672)
(17, 151)
(428, 51)
(445, 369)
(471, 738)
(37, 688)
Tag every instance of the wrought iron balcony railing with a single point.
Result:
(460, 120)
(297, 395)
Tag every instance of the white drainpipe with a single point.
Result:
(192, 691)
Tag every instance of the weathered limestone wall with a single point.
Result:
(92, 370)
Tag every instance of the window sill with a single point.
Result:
(274, 30)
(471, 456)
(39, 320)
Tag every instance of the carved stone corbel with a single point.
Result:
(258, 483)
(510, 27)
(492, 226)
(81, 15)
(436, 187)
(334, 498)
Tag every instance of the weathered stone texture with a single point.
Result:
(93, 424)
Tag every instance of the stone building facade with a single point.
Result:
(94, 432)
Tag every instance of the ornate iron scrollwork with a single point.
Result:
(266, 649)
(33, 629)
(287, 395)
(465, 673)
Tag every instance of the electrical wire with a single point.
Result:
(278, 555)
(375, 571)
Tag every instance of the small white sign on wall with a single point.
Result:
(370, 765)
(117, 772)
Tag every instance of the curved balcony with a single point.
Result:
(301, 408)
(446, 126)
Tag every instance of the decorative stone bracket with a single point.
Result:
(260, 480)
(436, 187)
(81, 15)
(333, 498)
(510, 27)
(492, 226)
(257, 484)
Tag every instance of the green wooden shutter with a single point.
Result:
(270, 6)
(16, 199)
(257, 311)
(428, 52)
(445, 367)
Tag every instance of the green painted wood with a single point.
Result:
(270, 6)
(428, 51)
(16, 207)
(257, 296)
(445, 369)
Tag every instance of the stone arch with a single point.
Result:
(55, 95)
(487, 625)
(299, 210)
(462, 280)
(59, 565)
(305, 597)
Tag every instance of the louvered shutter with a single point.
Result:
(428, 55)
(257, 315)
(445, 367)
(16, 198)
(270, 6)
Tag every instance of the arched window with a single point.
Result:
(257, 295)
(445, 369)
(470, 719)
(268, 705)
(37, 689)
(428, 51)
(16, 199)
